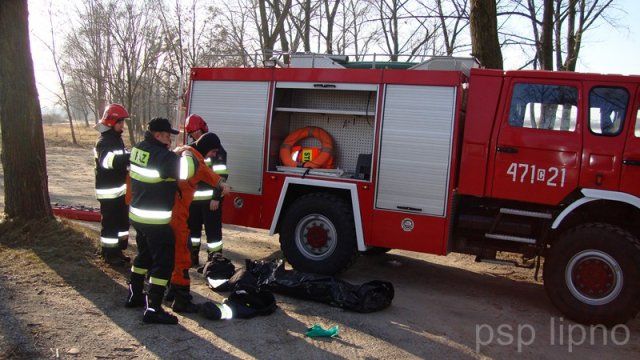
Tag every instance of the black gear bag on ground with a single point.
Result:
(271, 275)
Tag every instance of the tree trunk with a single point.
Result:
(484, 33)
(546, 39)
(573, 45)
(307, 26)
(331, 17)
(23, 155)
(73, 132)
(86, 118)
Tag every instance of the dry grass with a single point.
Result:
(60, 135)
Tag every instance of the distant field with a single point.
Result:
(60, 135)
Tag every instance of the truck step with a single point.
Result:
(524, 265)
(533, 214)
(510, 238)
(496, 261)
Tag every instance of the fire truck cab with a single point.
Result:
(475, 161)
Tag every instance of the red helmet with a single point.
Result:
(195, 122)
(113, 113)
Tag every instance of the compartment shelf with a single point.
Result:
(324, 111)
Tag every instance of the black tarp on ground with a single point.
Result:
(271, 275)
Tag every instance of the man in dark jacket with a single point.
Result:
(111, 161)
(154, 173)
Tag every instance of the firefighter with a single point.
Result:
(154, 170)
(206, 208)
(179, 291)
(112, 160)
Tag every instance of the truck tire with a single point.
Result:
(318, 234)
(592, 274)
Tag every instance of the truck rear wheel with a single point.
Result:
(592, 274)
(318, 234)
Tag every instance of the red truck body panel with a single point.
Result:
(544, 167)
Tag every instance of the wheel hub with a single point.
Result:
(317, 236)
(594, 277)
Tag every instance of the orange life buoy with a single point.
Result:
(302, 154)
(324, 158)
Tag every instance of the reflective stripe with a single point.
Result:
(203, 195)
(108, 242)
(217, 168)
(208, 161)
(138, 270)
(187, 167)
(107, 162)
(195, 240)
(123, 234)
(111, 193)
(214, 283)
(156, 217)
(225, 310)
(156, 281)
(214, 246)
(145, 175)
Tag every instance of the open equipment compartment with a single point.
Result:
(346, 111)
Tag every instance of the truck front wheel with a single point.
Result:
(318, 234)
(592, 274)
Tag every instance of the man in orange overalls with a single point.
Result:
(179, 289)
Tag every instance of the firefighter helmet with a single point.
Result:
(195, 122)
(113, 113)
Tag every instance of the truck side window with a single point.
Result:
(637, 132)
(540, 106)
(607, 109)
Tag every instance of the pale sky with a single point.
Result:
(605, 49)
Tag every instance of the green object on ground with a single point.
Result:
(318, 331)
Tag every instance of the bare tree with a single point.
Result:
(410, 43)
(87, 50)
(454, 20)
(557, 28)
(580, 16)
(484, 33)
(330, 15)
(64, 99)
(303, 22)
(25, 177)
(236, 21)
(270, 21)
(136, 48)
(358, 15)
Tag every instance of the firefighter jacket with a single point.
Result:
(112, 159)
(154, 170)
(219, 166)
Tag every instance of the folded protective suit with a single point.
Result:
(272, 276)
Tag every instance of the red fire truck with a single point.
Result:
(473, 161)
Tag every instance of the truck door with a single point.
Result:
(237, 112)
(539, 143)
(630, 179)
(604, 135)
(414, 167)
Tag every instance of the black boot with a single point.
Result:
(114, 256)
(170, 295)
(182, 302)
(123, 242)
(154, 313)
(195, 258)
(135, 297)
